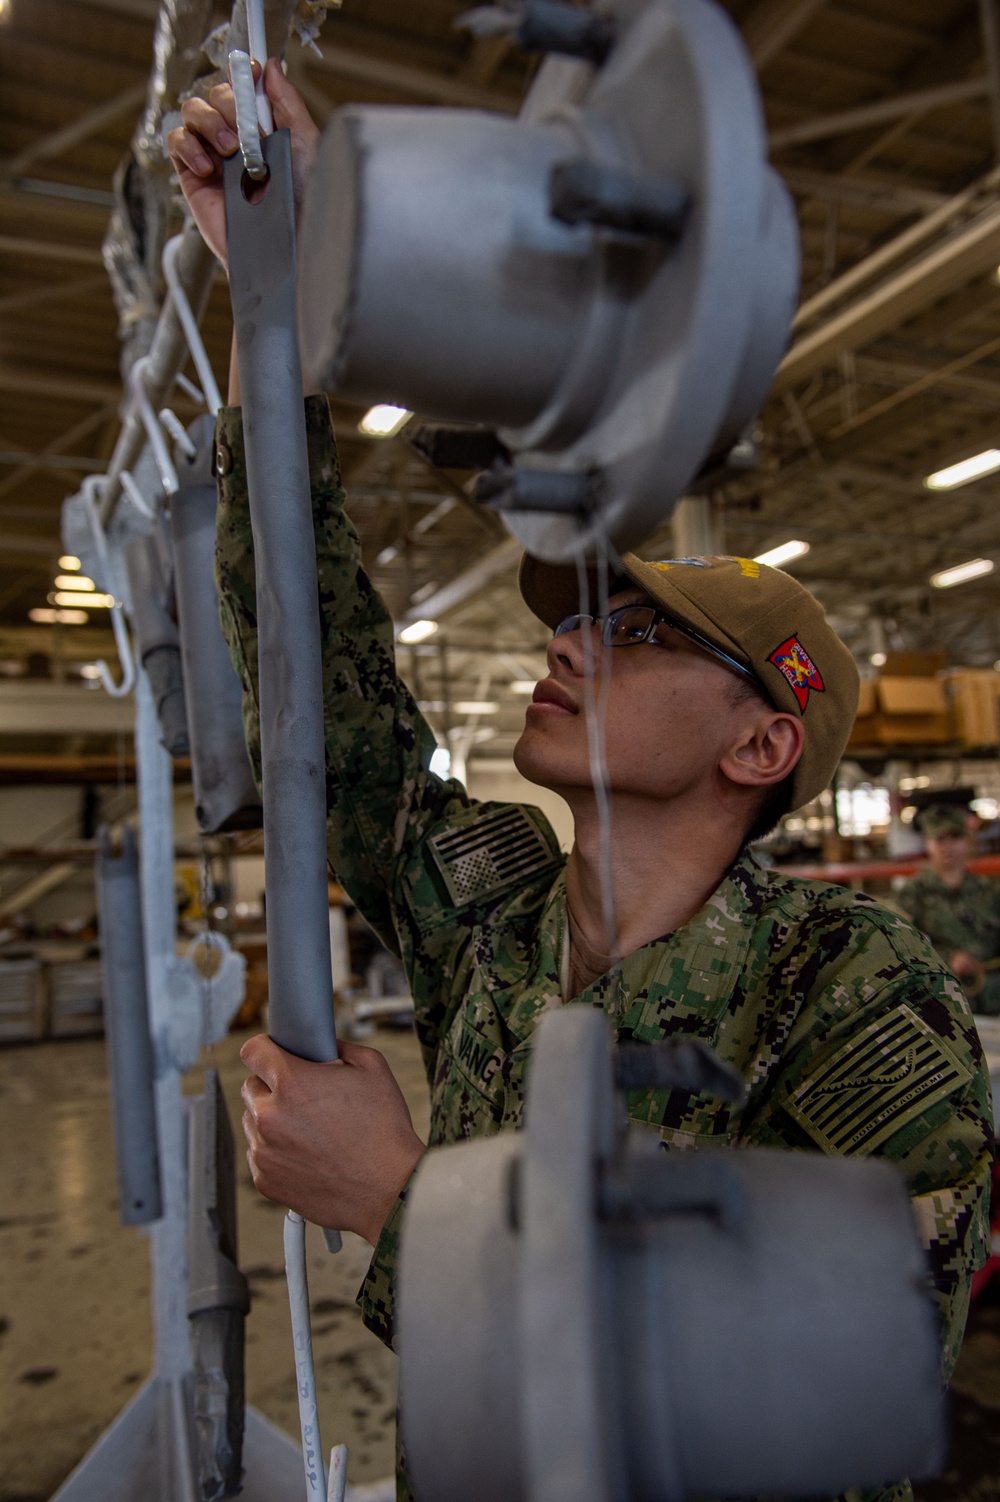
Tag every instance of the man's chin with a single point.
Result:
(536, 763)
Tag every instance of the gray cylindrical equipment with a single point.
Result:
(225, 794)
(131, 1061)
(262, 284)
(608, 280)
(157, 643)
(218, 1295)
(585, 1317)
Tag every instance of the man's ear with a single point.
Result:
(767, 752)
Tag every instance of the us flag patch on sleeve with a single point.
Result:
(894, 1070)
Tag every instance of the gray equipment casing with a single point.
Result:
(157, 644)
(585, 1317)
(226, 796)
(218, 1295)
(437, 275)
(131, 1058)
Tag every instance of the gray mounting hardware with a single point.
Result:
(218, 1296)
(226, 796)
(262, 286)
(546, 26)
(584, 1317)
(131, 1060)
(608, 281)
(157, 644)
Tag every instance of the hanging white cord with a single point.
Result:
(596, 708)
(117, 690)
(157, 442)
(209, 393)
(257, 44)
(305, 1371)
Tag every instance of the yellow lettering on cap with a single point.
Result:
(749, 567)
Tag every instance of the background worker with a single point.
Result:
(729, 701)
(957, 910)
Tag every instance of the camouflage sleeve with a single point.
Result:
(381, 796)
(377, 1296)
(902, 1076)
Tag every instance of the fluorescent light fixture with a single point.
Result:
(523, 685)
(878, 660)
(974, 569)
(68, 562)
(441, 762)
(90, 670)
(986, 463)
(476, 706)
(74, 581)
(778, 557)
(417, 631)
(42, 616)
(88, 602)
(384, 421)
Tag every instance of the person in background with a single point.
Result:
(957, 910)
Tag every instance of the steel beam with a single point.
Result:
(67, 136)
(50, 250)
(772, 24)
(920, 102)
(989, 20)
(34, 297)
(497, 561)
(879, 192)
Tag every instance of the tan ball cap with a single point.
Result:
(757, 614)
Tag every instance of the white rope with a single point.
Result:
(305, 1371)
(596, 710)
(188, 322)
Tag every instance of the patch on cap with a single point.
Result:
(794, 663)
(666, 564)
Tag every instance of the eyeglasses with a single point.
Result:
(631, 625)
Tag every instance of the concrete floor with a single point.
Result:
(74, 1285)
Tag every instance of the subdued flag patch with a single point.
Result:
(897, 1068)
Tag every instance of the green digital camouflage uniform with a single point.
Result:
(965, 917)
(851, 1035)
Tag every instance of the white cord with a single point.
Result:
(337, 1485)
(257, 44)
(192, 333)
(596, 709)
(305, 1371)
(157, 442)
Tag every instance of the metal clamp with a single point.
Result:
(91, 486)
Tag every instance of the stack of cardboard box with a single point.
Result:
(916, 701)
(973, 697)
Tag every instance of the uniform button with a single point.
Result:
(223, 459)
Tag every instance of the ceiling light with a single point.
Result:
(74, 581)
(89, 602)
(523, 685)
(384, 421)
(90, 670)
(476, 706)
(441, 762)
(45, 617)
(417, 631)
(961, 572)
(878, 660)
(778, 557)
(67, 561)
(986, 463)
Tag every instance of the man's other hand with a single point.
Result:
(208, 135)
(333, 1142)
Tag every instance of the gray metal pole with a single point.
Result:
(131, 1064)
(262, 280)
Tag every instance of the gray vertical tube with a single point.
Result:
(225, 795)
(262, 283)
(131, 1062)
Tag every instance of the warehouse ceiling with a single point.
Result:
(884, 118)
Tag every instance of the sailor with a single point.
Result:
(957, 910)
(729, 702)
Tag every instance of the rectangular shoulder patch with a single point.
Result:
(894, 1070)
(496, 849)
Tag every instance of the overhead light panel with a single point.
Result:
(417, 631)
(87, 601)
(74, 581)
(779, 556)
(384, 421)
(962, 572)
(44, 616)
(476, 706)
(878, 659)
(68, 562)
(523, 685)
(986, 463)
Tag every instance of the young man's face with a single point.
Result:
(949, 853)
(673, 712)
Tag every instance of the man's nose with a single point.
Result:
(570, 651)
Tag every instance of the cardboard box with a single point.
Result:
(902, 711)
(974, 705)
